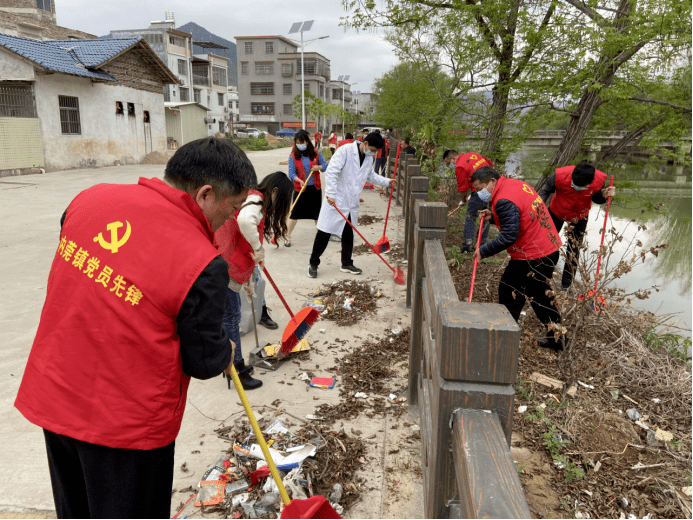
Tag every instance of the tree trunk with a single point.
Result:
(630, 140)
(499, 107)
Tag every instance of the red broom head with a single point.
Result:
(313, 507)
(273, 241)
(383, 245)
(298, 328)
(399, 276)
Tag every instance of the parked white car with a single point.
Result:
(250, 132)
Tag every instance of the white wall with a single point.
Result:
(12, 67)
(106, 137)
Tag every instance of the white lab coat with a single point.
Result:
(344, 180)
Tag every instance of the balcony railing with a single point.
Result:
(200, 80)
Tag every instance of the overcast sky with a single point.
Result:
(364, 56)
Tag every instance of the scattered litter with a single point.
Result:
(322, 382)
(652, 439)
(415, 428)
(347, 303)
(312, 417)
(656, 400)
(292, 459)
(398, 330)
(361, 395)
(663, 435)
(642, 425)
(597, 466)
(624, 503)
(521, 409)
(633, 414)
(551, 383)
(322, 331)
(211, 493)
(236, 486)
(260, 473)
(585, 385)
(336, 495)
(277, 428)
(688, 491)
(614, 394)
(304, 377)
(240, 498)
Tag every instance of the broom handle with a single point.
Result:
(258, 435)
(394, 176)
(276, 289)
(362, 237)
(300, 192)
(476, 261)
(599, 258)
(252, 306)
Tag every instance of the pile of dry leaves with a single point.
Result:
(367, 220)
(347, 301)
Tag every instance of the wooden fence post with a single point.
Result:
(418, 187)
(430, 223)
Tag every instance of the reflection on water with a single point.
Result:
(671, 271)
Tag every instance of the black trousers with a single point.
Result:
(516, 285)
(574, 233)
(92, 481)
(322, 239)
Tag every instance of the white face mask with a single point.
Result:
(369, 153)
(484, 195)
(302, 147)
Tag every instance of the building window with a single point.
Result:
(167, 94)
(287, 69)
(119, 108)
(196, 94)
(322, 90)
(288, 110)
(219, 76)
(221, 127)
(44, 5)
(175, 40)
(248, 47)
(310, 66)
(220, 99)
(262, 89)
(264, 68)
(269, 47)
(16, 101)
(244, 67)
(184, 95)
(288, 87)
(209, 100)
(145, 116)
(182, 67)
(131, 109)
(69, 115)
(336, 93)
(153, 38)
(262, 108)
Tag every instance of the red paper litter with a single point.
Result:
(322, 382)
(260, 473)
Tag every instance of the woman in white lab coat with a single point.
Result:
(349, 169)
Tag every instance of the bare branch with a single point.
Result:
(662, 102)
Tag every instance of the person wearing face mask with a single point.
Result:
(350, 168)
(528, 234)
(133, 310)
(575, 188)
(303, 160)
(465, 166)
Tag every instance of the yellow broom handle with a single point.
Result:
(258, 434)
(299, 193)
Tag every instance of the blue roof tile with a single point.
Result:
(77, 57)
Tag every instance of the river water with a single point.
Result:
(671, 224)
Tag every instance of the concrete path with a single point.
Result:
(30, 210)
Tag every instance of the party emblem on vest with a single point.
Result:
(527, 189)
(115, 242)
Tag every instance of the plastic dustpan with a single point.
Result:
(313, 507)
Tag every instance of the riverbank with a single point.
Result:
(622, 443)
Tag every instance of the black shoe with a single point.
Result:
(266, 321)
(551, 344)
(247, 382)
(312, 271)
(467, 248)
(350, 269)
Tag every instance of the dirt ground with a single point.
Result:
(611, 466)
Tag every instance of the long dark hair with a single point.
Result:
(277, 212)
(309, 152)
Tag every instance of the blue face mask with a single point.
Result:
(578, 188)
(369, 153)
(484, 195)
(302, 147)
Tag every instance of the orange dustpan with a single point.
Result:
(383, 244)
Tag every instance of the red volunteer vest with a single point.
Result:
(234, 247)
(300, 172)
(105, 366)
(318, 136)
(333, 139)
(567, 203)
(538, 237)
(466, 165)
(344, 141)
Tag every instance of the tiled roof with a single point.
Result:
(77, 57)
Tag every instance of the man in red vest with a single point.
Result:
(318, 140)
(348, 138)
(133, 310)
(465, 166)
(531, 239)
(575, 188)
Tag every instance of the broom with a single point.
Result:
(314, 507)
(399, 274)
(300, 323)
(383, 245)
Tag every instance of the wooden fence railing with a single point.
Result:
(462, 367)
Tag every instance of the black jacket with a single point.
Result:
(509, 220)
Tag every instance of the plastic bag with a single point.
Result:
(259, 284)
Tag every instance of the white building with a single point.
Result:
(79, 103)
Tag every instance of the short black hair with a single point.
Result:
(374, 139)
(485, 174)
(365, 130)
(348, 136)
(448, 153)
(406, 140)
(583, 174)
(377, 131)
(211, 161)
